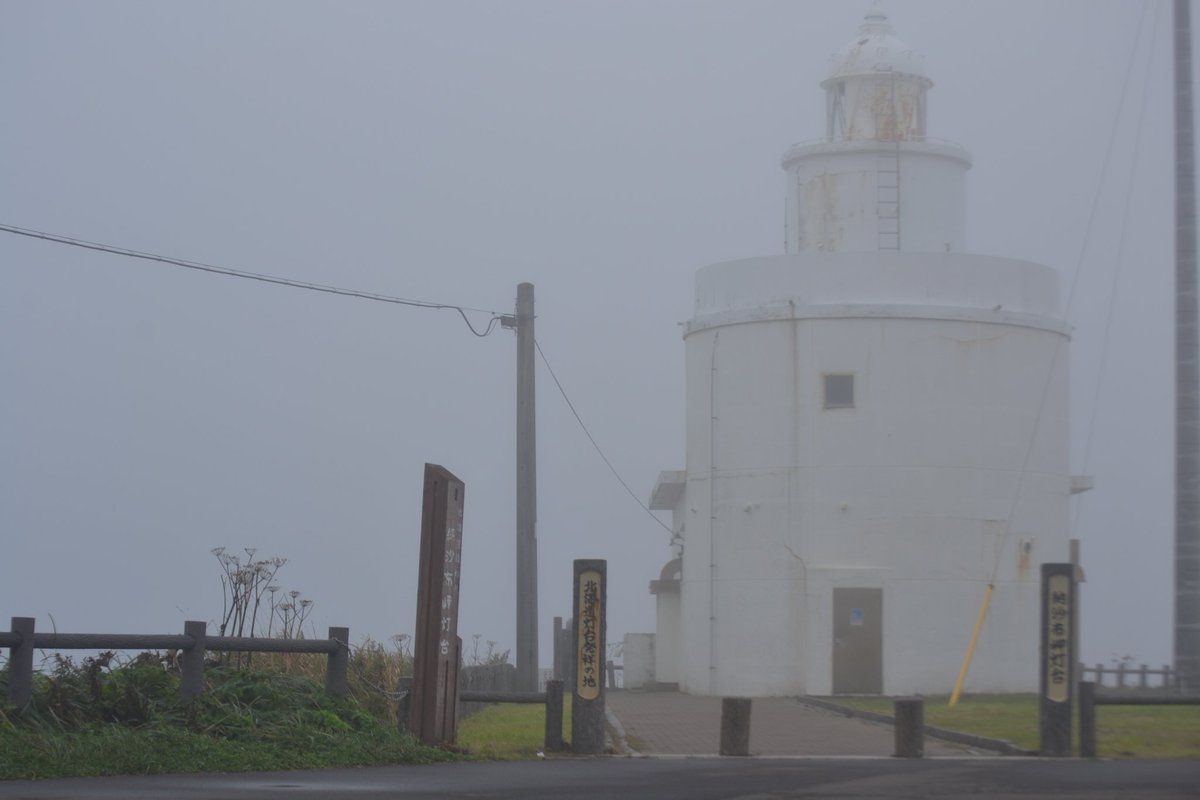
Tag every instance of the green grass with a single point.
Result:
(97, 718)
(116, 750)
(1121, 731)
(1148, 731)
(102, 717)
(509, 731)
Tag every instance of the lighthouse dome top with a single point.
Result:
(876, 49)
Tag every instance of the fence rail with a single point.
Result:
(1122, 673)
(22, 640)
(143, 641)
(99, 641)
(483, 684)
(1089, 698)
(502, 697)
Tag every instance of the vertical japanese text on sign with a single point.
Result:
(436, 645)
(1058, 639)
(590, 670)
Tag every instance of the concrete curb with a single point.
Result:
(617, 741)
(1002, 746)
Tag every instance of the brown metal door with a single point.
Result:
(857, 641)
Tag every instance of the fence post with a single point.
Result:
(1099, 674)
(556, 641)
(339, 661)
(909, 727)
(1142, 677)
(1167, 681)
(404, 704)
(570, 656)
(554, 716)
(20, 663)
(192, 662)
(1121, 675)
(1087, 719)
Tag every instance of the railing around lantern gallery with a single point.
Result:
(192, 645)
(866, 143)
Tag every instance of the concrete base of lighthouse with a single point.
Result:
(915, 636)
(846, 546)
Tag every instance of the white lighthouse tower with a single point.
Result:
(876, 425)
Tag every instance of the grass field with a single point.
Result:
(509, 730)
(1121, 731)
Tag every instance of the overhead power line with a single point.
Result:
(592, 439)
(1075, 279)
(1116, 274)
(258, 276)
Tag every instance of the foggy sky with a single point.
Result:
(446, 151)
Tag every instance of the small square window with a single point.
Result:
(839, 391)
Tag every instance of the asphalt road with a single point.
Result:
(666, 779)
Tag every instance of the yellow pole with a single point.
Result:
(962, 673)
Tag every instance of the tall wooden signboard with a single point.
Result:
(587, 703)
(437, 649)
(1058, 659)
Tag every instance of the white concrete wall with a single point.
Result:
(638, 663)
(836, 194)
(833, 285)
(909, 491)
(666, 647)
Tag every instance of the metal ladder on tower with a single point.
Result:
(887, 199)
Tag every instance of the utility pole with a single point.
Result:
(527, 605)
(1187, 370)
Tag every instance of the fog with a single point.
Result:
(445, 152)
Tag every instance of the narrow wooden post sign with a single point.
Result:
(587, 704)
(436, 649)
(1059, 610)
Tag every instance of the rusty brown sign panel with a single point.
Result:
(437, 646)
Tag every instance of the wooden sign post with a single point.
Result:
(587, 704)
(1059, 613)
(437, 648)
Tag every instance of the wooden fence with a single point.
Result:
(21, 641)
(1129, 677)
(1089, 698)
(552, 699)
(482, 685)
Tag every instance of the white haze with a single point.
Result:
(447, 151)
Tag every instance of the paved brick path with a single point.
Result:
(670, 723)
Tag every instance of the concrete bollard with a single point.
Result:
(1087, 719)
(554, 717)
(910, 727)
(735, 726)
